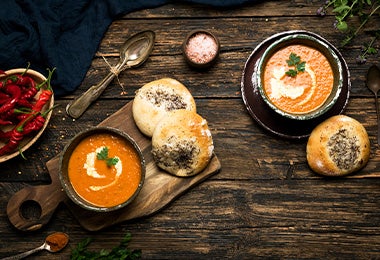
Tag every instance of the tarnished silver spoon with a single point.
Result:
(134, 52)
(53, 243)
(373, 83)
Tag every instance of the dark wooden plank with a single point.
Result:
(234, 132)
(265, 202)
(300, 219)
(167, 61)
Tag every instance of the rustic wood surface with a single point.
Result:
(265, 201)
(159, 189)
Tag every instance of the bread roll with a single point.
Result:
(338, 146)
(182, 143)
(155, 99)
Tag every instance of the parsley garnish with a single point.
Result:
(119, 252)
(103, 155)
(299, 66)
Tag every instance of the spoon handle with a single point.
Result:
(378, 120)
(77, 107)
(25, 254)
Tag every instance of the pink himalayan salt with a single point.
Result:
(201, 48)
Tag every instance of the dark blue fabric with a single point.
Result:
(64, 34)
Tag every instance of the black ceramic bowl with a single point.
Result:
(200, 49)
(313, 42)
(64, 161)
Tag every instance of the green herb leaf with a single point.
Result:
(103, 155)
(119, 252)
(347, 13)
(112, 161)
(301, 66)
(295, 60)
(291, 73)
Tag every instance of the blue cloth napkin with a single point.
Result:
(65, 34)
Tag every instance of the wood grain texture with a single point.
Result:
(159, 188)
(265, 202)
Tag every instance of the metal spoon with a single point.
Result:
(134, 52)
(373, 83)
(44, 246)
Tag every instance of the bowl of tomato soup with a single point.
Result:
(102, 169)
(299, 76)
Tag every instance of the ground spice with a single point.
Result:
(57, 241)
(201, 48)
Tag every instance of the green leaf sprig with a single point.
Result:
(103, 155)
(295, 61)
(121, 251)
(346, 11)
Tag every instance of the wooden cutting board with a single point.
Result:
(159, 189)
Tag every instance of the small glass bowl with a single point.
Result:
(201, 49)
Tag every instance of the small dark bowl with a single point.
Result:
(186, 49)
(64, 161)
(312, 42)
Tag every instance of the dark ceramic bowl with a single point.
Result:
(310, 41)
(64, 161)
(202, 55)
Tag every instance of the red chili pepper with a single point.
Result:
(25, 81)
(16, 135)
(29, 93)
(20, 89)
(15, 92)
(4, 96)
(42, 100)
(5, 135)
(15, 114)
(34, 125)
(37, 123)
(5, 122)
(14, 140)
(3, 101)
(24, 103)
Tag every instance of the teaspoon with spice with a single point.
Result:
(53, 243)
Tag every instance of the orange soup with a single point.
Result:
(304, 92)
(105, 170)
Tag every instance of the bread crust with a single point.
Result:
(338, 146)
(155, 99)
(182, 143)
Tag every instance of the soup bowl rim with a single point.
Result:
(313, 42)
(66, 154)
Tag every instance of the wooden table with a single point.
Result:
(265, 201)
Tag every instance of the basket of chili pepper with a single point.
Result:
(26, 103)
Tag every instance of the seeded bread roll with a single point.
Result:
(338, 146)
(182, 143)
(155, 99)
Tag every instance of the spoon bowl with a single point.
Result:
(373, 84)
(134, 52)
(50, 245)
